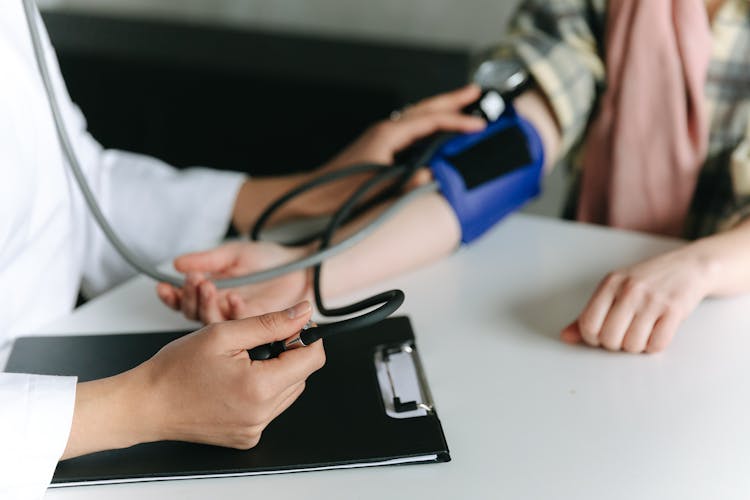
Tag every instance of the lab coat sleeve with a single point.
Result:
(158, 211)
(36, 413)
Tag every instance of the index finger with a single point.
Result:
(169, 295)
(450, 101)
(593, 315)
(419, 126)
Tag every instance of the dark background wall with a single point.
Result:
(239, 99)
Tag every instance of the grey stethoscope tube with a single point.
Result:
(125, 252)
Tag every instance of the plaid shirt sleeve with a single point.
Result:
(722, 196)
(559, 42)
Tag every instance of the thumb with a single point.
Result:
(571, 334)
(258, 330)
(210, 261)
(420, 126)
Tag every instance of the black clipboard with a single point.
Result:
(370, 405)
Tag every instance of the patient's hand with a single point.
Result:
(639, 308)
(199, 299)
(381, 142)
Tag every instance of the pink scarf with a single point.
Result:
(645, 147)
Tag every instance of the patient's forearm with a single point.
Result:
(427, 229)
(423, 232)
(726, 259)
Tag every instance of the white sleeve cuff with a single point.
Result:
(36, 413)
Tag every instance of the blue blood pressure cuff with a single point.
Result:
(488, 174)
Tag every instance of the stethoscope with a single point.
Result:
(387, 302)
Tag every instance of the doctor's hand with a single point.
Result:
(199, 299)
(639, 308)
(201, 388)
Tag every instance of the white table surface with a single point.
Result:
(525, 416)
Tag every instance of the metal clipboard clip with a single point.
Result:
(403, 385)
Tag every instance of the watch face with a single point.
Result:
(492, 105)
(505, 75)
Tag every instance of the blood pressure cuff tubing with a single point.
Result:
(486, 175)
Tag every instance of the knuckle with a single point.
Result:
(320, 358)
(656, 346)
(591, 338)
(632, 346)
(296, 393)
(254, 418)
(612, 278)
(611, 344)
(660, 342)
(651, 299)
(321, 361)
(587, 326)
(632, 288)
(269, 322)
(248, 438)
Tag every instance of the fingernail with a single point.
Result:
(298, 310)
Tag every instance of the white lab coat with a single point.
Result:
(50, 246)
